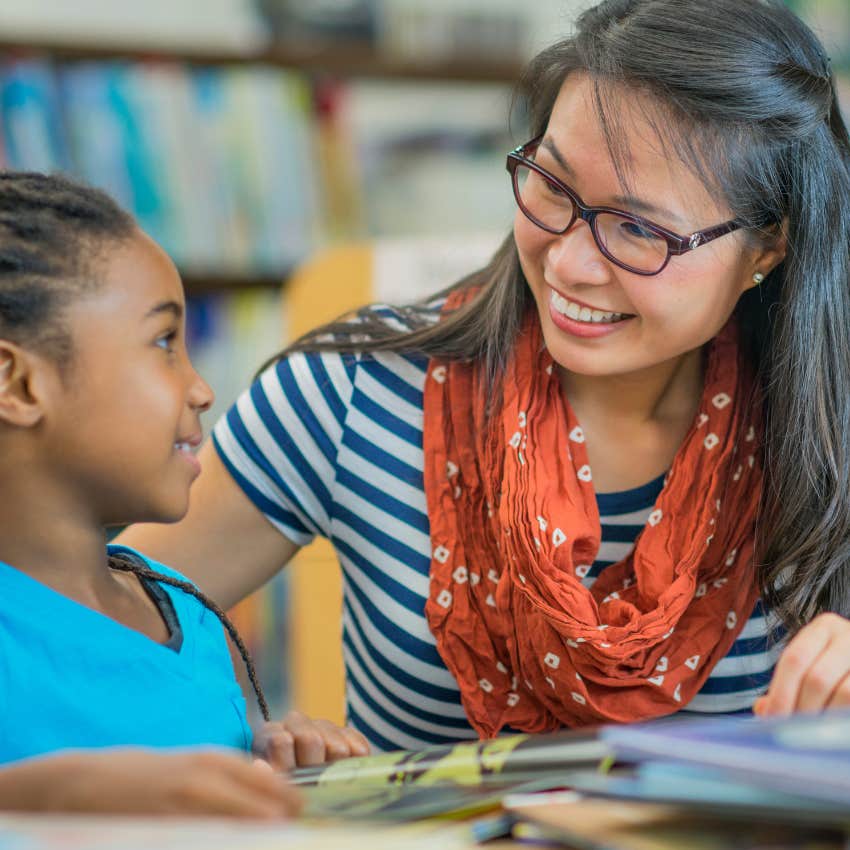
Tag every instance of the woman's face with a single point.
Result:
(661, 317)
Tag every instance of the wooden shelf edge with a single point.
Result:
(343, 59)
(209, 284)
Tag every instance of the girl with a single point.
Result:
(604, 478)
(99, 414)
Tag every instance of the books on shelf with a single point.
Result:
(214, 162)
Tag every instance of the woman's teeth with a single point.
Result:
(582, 314)
(183, 447)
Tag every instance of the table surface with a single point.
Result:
(83, 832)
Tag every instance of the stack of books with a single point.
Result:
(685, 782)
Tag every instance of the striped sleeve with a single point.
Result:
(280, 439)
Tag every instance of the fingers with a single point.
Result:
(303, 741)
(312, 738)
(357, 743)
(276, 744)
(812, 672)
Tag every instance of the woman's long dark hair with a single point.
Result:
(745, 96)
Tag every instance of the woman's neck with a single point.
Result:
(666, 391)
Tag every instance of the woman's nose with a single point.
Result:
(575, 257)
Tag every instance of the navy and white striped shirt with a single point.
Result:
(331, 444)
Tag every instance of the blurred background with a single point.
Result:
(246, 135)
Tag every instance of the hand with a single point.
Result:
(813, 672)
(144, 782)
(298, 741)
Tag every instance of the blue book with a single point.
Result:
(31, 120)
(807, 755)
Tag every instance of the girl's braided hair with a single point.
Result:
(53, 235)
(130, 564)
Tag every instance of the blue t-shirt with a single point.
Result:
(71, 677)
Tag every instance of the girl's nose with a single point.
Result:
(201, 395)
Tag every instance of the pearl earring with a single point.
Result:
(758, 277)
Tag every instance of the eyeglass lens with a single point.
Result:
(622, 239)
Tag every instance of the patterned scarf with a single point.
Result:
(515, 528)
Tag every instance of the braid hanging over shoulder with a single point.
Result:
(125, 563)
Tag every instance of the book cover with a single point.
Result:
(805, 754)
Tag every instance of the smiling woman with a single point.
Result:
(605, 477)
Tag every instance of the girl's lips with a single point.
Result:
(184, 450)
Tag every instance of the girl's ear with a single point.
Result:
(23, 386)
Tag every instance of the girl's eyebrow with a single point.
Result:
(172, 307)
(628, 202)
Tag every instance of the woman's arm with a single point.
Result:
(224, 543)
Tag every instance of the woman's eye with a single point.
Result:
(555, 189)
(638, 231)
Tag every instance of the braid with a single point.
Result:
(52, 232)
(125, 564)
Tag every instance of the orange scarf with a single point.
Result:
(515, 526)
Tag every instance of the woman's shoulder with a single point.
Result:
(329, 364)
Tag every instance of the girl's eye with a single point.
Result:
(166, 341)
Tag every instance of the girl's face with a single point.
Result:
(128, 414)
(666, 315)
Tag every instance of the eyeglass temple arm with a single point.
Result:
(700, 237)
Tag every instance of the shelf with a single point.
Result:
(207, 284)
(341, 59)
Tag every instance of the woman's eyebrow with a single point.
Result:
(173, 307)
(628, 202)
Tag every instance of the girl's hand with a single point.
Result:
(298, 741)
(813, 672)
(145, 782)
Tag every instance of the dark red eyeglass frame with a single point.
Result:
(676, 243)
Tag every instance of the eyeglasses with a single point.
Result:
(630, 241)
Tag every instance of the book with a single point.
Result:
(807, 755)
(464, 777)
(601, 824)
(33, 135)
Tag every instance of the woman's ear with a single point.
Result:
(769, 254)
(23, 386)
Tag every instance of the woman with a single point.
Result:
(604, 478)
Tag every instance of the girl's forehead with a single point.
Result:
(134, 275)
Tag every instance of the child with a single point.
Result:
(99, 415)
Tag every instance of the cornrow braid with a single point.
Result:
(52, 233)
(126, 564)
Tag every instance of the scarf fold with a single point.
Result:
(515, 528)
